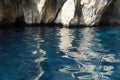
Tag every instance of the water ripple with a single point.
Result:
(44, 53)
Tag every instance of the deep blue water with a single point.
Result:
(44, 53)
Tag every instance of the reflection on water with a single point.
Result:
(88, 61)
(43, 53)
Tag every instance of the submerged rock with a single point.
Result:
(66, 12)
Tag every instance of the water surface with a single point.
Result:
(44, 53)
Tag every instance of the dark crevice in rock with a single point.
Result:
(87, 13)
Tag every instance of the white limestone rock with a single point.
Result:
(51, 10)
(92, 11)
(32, 10)
(67, 13)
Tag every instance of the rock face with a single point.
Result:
(92, 11)
(66, 12)
(32, 10)
(8, 11)
(112, 15)
(0, 11)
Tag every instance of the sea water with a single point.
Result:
(54, 53)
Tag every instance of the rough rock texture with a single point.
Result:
(92, 11)
(51, 10)
(66, 12)
(32, 10)
(8, 11)
(0, 11)
(112, 15)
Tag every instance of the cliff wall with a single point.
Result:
(66, 12)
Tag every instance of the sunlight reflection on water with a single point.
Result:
(65, 53)
(87, 60)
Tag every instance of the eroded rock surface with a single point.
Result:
(112, 15)
(8, 11)
(0, 11)
(66, 12)
(92, 11)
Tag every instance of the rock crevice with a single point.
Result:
(66, 12)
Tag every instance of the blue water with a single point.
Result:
(45, 53)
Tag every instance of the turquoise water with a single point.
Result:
(45, 53)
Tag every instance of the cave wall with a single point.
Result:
(66, 12)
(112, 14)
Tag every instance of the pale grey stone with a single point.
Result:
(66, 12)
